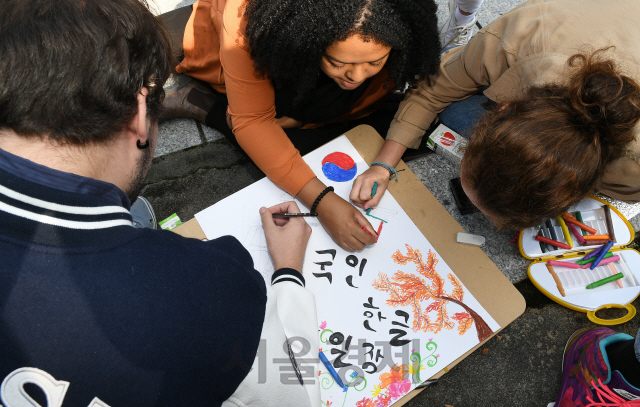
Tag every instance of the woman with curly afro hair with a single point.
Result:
(282, 77)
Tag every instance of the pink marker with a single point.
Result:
(563, 264)
(575, 232)
(603, 262)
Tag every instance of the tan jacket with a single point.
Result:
(527, 46)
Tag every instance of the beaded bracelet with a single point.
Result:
(392, 171)
(317, 201)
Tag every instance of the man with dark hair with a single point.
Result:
(94, 312)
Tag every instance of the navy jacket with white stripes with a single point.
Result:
(96, 312)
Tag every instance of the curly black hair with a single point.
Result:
(289, 37)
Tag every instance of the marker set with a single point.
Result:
(560, 272)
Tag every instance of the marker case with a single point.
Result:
(574, 281)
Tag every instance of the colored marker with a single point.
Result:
(552, 242)
(556, 279)
(294, 215)
(563, 264)
(379, 230)
(565, 231)
(605, 281)
(575, 232)
(614, 271)
(579, 218)
(600, 255)
(331, 370)
(607, 219)
(579, 224)
(596, 237)
(604, 261)
(590, 260)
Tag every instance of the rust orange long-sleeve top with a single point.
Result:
(216, 52)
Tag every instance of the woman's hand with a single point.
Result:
(286, 238)
(363, 186)
(344, 223)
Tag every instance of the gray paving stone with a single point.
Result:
(435, 173)
(175, 135)
(211, 134)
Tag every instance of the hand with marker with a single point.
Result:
(361, 192)
(344, 223)
(287, 238)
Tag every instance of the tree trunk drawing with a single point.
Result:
(428, 297)
(481, 327)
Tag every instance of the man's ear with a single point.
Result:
(138, 126)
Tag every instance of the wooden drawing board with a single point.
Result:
(478, 273)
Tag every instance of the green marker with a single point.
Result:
(604, 281)
(375, 189)
(581, 262)
(579, 217)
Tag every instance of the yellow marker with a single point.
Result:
(565, 231)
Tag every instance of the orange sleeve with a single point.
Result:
(252, 107)
(201, 44)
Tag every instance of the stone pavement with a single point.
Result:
(196, 167)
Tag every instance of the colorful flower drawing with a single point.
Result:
(376, 391)
(323, 324)
(365, 402)
(396, 374)
(427, 297)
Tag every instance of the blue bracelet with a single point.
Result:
(392, 171)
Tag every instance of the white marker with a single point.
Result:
(473, 240)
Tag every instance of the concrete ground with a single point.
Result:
(195, 167)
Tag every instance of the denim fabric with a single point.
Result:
(462, 116)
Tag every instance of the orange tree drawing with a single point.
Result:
(411, 289)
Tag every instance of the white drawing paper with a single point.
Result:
(390, 316)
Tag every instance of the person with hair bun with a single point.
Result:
(549, 96)
(283, 77)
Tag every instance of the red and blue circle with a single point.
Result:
(339, 167)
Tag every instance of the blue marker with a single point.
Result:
(331, 370)
(601, 255)
(375, 189)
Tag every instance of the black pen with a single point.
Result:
(293, 215)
